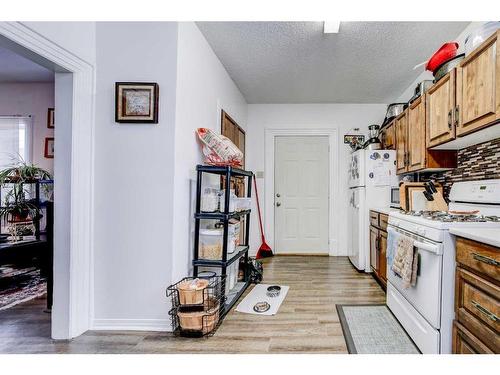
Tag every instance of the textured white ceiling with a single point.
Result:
(294, 62)
(16, 68)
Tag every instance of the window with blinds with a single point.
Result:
(15, 140)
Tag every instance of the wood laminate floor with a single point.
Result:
(307, 321)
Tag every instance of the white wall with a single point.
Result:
(134, 179)
(203, 89)
(31, 99)
(286, 116)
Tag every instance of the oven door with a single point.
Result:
(425, 296)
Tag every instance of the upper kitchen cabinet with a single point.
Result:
(416, 135)
(412, 154)
(401, 131)
(388, 137)
(464, 107)
(440, 108)
(478, 88)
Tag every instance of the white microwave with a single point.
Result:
(395, 203)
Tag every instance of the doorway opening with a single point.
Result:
(73, 80)
(27, 124)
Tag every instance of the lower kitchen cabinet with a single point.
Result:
(477, 298)
(378, 246)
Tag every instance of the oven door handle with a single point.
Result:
(436, 249)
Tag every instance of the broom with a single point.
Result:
(265, 250)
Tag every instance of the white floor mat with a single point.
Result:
(258, 294)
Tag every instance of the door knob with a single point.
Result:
(278, 204)
(278, 195)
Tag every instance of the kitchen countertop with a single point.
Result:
(383, 210)
(490, 236)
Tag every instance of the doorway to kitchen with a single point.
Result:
(301, 189)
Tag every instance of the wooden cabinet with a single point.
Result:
(416, 144)
(477, 298)
(440, 108)
(478, 88)
(467, 99)
(388, 137)
(411, 151)
(382, 268)
(374, 262)
(401, 130)
(378, 246)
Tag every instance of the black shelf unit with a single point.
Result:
(241, 251)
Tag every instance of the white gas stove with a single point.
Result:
(426, 310)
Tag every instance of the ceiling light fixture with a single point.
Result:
(331, 27)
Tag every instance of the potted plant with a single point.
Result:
(17, 205)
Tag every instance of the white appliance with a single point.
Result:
(426, 310)
(371, 175)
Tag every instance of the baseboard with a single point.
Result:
(160, 325)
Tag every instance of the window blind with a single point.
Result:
(15, 140)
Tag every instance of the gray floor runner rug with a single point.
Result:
(372, 329)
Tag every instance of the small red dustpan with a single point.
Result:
(265, 250)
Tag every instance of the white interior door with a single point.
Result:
(301, 175)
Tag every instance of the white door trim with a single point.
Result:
(73, 292)
(269, 137)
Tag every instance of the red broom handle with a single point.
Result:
(258, 206)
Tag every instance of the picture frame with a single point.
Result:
(50, 118)
(49, 148)
(136, 102)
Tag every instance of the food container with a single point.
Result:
(394, 110)
(232, 201)
(209, 200)
(443, 54)
(421, 88)
(447, 66)
(479, 35)
(232, 275)
(233, 236)
(201, 321)
(192, 292)
(243, 204)
(210, 244)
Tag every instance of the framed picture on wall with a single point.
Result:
(49, 148)
(50, 118)
(136, 102)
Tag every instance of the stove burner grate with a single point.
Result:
(450, 218)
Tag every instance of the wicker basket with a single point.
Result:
(193, 296)
(202, 321)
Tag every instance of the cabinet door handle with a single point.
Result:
(485, 311)
(457, 115)
(487, 260)
(450, 115)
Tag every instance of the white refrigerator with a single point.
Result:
(371, 175)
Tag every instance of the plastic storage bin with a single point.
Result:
(233, 236)
(243, 204)
(210, 246)
(210, 200)
(232, 201)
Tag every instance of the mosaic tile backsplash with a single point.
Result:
(478, 162)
